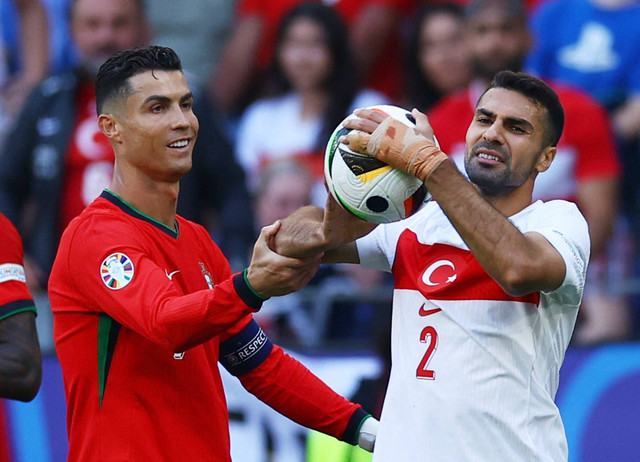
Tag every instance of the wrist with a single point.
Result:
(250, 286)
(425, 157)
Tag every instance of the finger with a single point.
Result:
(267, 232)
(358, 123)
(357, 141)
(374, 114)
(422, 123)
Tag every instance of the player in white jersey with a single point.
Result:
(487, 284)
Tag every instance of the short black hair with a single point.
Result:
(113, 76)
(540, 93)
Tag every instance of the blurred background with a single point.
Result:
(272, 79)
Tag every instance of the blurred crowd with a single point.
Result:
(272, 80)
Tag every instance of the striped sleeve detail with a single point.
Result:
(17, 306)
(108, 330)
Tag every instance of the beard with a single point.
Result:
(486, 69)
(89, 62)
(494, 180)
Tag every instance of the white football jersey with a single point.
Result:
(474, 370)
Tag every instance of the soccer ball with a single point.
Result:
(367, 187)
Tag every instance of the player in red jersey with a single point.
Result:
(145, 304)
(20, 359)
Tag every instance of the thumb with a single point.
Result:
(422, 123)
(269, 231)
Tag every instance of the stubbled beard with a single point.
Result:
(486, 72)
(490, 182)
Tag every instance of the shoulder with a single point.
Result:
(556, 211)
(100, 224)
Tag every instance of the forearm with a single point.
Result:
(20, 358)
(290, 388)
(518, 262)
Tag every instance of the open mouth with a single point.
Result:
(489, 157)
(179, 144)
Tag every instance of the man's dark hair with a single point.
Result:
(113, 76)
(538, 92)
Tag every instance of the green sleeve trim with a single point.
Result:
(246, 280)
(16, 307)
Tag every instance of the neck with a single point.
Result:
(155, 199)
(511, 202)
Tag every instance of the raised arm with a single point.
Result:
(520, 263)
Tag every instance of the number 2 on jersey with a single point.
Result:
(430, 336)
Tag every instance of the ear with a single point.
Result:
(110, 127)
(545, 158)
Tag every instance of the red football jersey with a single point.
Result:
(14, 293)
(140, 311)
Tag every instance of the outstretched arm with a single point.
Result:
(312, 230)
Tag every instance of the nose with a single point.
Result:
(493, 133)
(181, 118)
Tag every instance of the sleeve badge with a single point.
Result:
(116, 271)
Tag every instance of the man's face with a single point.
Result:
(155, 126)
(496, 42)
(102, 28)
(505, 142)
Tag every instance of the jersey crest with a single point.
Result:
(116, 271)
(207, 275)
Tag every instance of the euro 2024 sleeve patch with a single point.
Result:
(116, 271)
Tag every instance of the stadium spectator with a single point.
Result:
(285, 186)
(437, 60)
(586, 169)
(596, 47)
(313, 87)
(145, 303)
(25, 62)
(58, 161)
(487, 281)
(20, 360)
(196, 30)
(373, 36)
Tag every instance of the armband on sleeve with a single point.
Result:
(246, 350)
